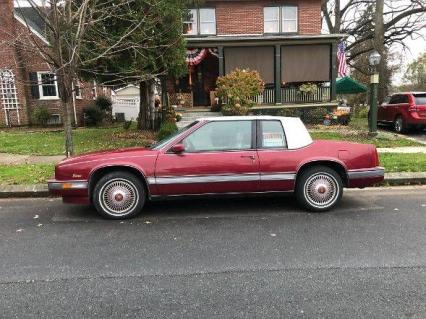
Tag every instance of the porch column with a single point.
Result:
(221, 61)
(278, 67)
(333, 71)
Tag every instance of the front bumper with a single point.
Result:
(365, 177)
(70, 191)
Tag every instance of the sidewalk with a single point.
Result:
(403, 150)
(13, 159)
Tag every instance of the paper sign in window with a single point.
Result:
(273, 139)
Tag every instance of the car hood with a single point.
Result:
(108, 154)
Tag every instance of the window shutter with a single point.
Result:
(35, 93)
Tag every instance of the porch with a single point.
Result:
(295, 69)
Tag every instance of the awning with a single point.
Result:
(348, 85)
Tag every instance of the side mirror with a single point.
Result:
(178, 148)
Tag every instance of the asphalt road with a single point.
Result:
(227, 258)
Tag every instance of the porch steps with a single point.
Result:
(190, 116)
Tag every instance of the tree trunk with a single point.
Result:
(337, 17)
(142, 106)
(151, 103)
(65, 89)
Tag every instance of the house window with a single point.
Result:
(77, 90)
(280, 19)
(271, 16)
(200, 21)
(289, 19)
(48, 85)
(94, 90)
(190, 26)
(8, 92)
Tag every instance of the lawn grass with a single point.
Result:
(25, 174)
(85, 140)
(40, 173)
(394, 162)
(382, 139)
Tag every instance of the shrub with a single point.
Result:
(167, 128)
(361, 112)
(41, 115)
(104, 103)
(237, 89)
(127, 125)
(314, 115)
(93, 115)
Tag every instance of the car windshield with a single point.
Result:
(167, 139)
(420, 99)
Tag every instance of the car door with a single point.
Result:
(277, 164)
(382, 109)
(218, 157)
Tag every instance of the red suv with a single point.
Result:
(404, 111)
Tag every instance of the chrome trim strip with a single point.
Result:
(207, 179)
(194, 179)
(58, 185)
(278, 177)
(366, 173)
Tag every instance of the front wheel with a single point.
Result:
(119, 195)
(319, 188)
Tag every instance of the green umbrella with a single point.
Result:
(348, 85)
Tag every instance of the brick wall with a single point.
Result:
(246, 17)
(9, 61)
(21, 62)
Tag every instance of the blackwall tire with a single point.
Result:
(119, 195)
(319, 188)
(399, 125)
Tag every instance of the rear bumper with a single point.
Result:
(365, 177)
(72, 191)
(414, 118)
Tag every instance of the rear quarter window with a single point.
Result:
(420, 99)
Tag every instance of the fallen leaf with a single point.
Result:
(36, 217)
(39, 225)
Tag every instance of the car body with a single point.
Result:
(216, 156)
(404, 111)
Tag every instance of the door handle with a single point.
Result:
(252, 157)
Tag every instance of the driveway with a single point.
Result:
(228, 258)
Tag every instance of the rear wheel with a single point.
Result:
(319, 188)
(399, 125)
(119, 195)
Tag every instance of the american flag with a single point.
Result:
(343, 69)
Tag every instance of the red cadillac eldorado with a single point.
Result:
(223, 155)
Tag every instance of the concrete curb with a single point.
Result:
(21, 191)
(40, 190)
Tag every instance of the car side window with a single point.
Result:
(220, 136)
(272, 135)
(404, 99)
(394, 99)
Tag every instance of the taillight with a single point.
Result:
(377, 157)
(412, 108)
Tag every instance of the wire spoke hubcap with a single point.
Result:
(321, 190)
(118, 196)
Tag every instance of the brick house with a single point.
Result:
(280, 39)
(26, 81)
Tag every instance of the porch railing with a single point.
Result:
(266, 97)
(293, 95)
